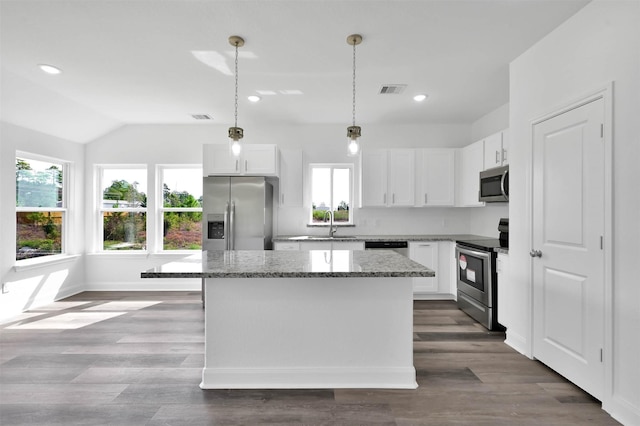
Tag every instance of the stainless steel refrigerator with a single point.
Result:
(237, 213)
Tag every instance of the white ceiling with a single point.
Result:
(131, 61)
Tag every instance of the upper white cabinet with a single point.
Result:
(291, 172)
(388, 178)
(254, 160)
(471, 162)
(435, 177)
(496, 149)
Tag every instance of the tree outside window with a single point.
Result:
(181, 208)
(40, 207)
(124, 208)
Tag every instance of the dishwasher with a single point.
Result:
(401, 247)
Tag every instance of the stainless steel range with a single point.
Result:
(477, 277)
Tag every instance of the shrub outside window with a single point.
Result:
(123, 208)
(40, 207)
(331, 191)
(181, 209)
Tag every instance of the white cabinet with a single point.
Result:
(425, 253)
(388, 178)
(291, 172)
(438, 256)
(435, 177)
(496, 150)
(504, 302)
(471, 164)
(254, 160)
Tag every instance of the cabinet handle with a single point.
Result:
(504, 155)
(425, 198)
(236, 165)
(393, 199)
(497, 157)
(384, 198)
(246, 165)
(282, 198)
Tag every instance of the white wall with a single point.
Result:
(42, 284)
(600, 44)
(491, 123)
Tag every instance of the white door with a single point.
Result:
(567, 254)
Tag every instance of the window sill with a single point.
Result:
(41, 262)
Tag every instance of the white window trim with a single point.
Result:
(161, 209)
(67, 171)
(350, 166)
(100, 210)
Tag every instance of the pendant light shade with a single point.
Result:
(236, 133)
(353, 131)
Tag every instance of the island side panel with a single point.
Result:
(309, 333)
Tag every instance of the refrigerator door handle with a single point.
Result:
(232, 243)
(226, 227)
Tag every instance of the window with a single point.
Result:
(41, 207)
(331, 191)
(181, 209)
(123, 208)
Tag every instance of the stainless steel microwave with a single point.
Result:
(494, 185)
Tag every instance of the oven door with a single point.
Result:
(474, 274)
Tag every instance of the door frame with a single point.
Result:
(606, 94)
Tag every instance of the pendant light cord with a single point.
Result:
(354, 85)
(236, 99)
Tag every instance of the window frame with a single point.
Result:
(66, 170)
(100, 168)
(332, 166)
(161, 209)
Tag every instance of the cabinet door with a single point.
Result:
(217, 160)
(259, 160)
(493, 151)
(471, 164)
(315, 245)
(347, 245)
(373, 180)
(436, 177)
(291, 172)
(505, 147)
(425, 253)
(401, 175)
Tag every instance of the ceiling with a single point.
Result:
(133, 61)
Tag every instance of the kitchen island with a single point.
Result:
(315, 319)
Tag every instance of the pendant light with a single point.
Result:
(353, 131)
(236, 133)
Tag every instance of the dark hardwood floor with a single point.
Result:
(133, 358)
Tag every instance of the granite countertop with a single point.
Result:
(339, 237)
(291, 264)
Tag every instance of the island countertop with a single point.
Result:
(291, 264)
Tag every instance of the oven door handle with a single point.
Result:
(482, 254)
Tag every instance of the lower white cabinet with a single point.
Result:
(439, 257)
(502, 268)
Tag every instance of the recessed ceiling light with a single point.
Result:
(50, 69)
(253, 98)
(420, 98)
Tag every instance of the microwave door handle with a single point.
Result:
(502, 180)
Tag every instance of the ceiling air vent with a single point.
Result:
(392, 89)
(202, 117)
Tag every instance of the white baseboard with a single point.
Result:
(308, 378)
(517, 342)
(622, 410)
(147, 285)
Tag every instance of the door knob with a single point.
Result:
(535, 253)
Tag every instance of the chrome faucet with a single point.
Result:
(332, 230)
